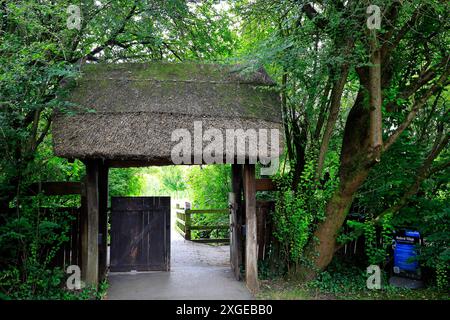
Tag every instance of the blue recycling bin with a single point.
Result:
(405, 253)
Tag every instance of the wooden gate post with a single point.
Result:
(103, 220)
(187, 224)
(251, 248)
(89, 237)
(236, 220)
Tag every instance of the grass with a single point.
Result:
(288, 290)
(344, 280)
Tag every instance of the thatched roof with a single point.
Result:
(128, 111)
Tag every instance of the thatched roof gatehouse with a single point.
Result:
(124, 115)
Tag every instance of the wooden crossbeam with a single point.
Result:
(265, 184)
(55, 188)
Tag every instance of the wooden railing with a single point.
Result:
(184, 224)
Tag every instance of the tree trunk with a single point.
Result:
(375, 96)
(353, 172)
(324, 244)
(336, 95)
(300, 134)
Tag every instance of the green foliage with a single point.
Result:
(303, 55)
(173, 179)
(431, 216)
(377, 253)
(126, 182)
(38, 51)
(166, 181)
(34, 235)
(208, 188)
(442, 275)
(377, 238)
(427, 211)
(344, 280)
(340, 278)
(297, 213)
(30, 74)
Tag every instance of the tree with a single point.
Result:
(173, 179)
(427, 78)
(355, 90)
(41, 47)
(38, 50)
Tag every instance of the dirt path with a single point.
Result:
(198, 271)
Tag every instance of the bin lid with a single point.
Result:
(410, 233)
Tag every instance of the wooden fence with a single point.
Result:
(264, 227)
(184, 224)
(69, 253)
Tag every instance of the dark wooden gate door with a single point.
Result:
(140, 233)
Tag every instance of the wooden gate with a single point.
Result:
(140, 233)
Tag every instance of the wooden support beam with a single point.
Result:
(265, 184)
(56, 188)
(251, 247)
(235, 201)
(137, 163)
(82, 236)
(89, 241)
(103, 221)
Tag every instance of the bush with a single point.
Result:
(125, 182)
(29, 242)
(297, 213)
(208, 188)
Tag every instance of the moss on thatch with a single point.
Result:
(137, 106)
(186, 71)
